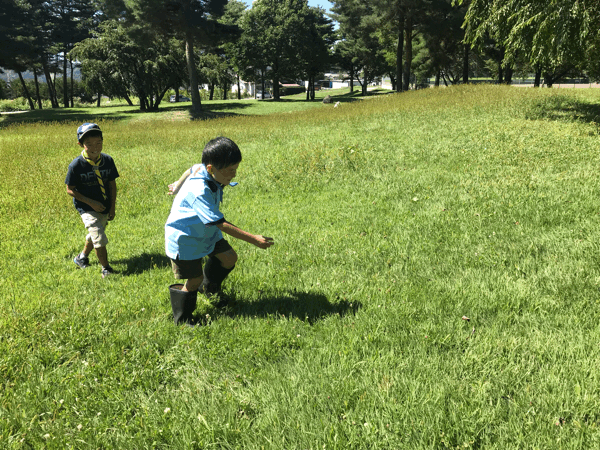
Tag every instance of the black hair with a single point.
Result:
(221, 152)
(91, 133)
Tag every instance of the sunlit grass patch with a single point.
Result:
(433, 285)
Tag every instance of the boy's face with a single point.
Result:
(224, 175)
(92, 146)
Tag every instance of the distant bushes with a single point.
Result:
(18, 104)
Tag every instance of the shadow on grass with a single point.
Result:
(144, 262)
(346, 97)
(564, 108)
(66, 115)
(209, 111)
(307, 306)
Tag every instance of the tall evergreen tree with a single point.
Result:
(193, 21)
(70, 22)
(358, 26)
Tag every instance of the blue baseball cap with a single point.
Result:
(86, 128)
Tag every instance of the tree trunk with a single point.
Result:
(538, 77)
(408, 33)
(276, 81)
(352, 79)
(239, 94)
(466, 64)
(225, 89)
(437, 79)
(500, 73)
(37, 89)
(399, 51)
(51, 88)
(127, 99)
(364, 83)
(508, 75)
(276, 95)
(308, 88)
(193, 74)
(72, 82)
(98, 101)
(211, 91)
(65, 82)
(26, 91)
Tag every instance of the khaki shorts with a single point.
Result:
(96, 224)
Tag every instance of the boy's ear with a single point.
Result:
(209, 168)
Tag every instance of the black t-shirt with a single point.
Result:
(81, 175)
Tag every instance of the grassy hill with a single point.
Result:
(434, 283)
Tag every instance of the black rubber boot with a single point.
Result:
(183, 304)
(214, 274)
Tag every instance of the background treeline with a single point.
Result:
(142, 50)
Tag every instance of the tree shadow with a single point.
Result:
(209, 111)
(306, 306)
(144, 262)
(564, 108)
(65, 115)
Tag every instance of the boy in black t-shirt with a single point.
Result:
(91, 182)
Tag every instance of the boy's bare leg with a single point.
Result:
(228, 258)
(87, 248)
(102, 255)
(192, 284)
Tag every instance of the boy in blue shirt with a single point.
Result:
(91, 182)
(195, 228)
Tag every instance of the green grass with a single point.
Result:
(213, 109)
(393, 218)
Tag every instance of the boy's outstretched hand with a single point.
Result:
(263, 241)
(254, 239)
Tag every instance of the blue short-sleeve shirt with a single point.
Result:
(191, 230)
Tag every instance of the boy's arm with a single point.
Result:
(238, 233)
(96, 206)
(174, 187)
(112, 186)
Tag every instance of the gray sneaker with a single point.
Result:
(107, 271)
(82, 263)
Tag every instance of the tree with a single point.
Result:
(273, 40)
(234, 10)
(71, 22)
(358, 26)
(192, 21)
(120, 60)
(444, 36)
(214, 70)
(554, 36)
(17, 46)
(316, 47)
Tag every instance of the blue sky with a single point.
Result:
(322, 3)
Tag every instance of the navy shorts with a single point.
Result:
(186, 269)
